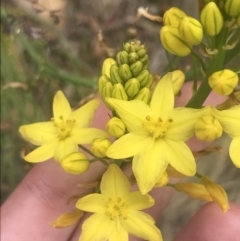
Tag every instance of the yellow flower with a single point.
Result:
(230, 122)
(116, 211)
(157, 135)
(61, 136)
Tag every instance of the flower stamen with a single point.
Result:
(116, 208)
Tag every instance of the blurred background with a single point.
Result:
(47, 45)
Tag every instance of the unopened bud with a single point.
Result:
(132, 87)
(149, 81)
(208, 128)
(172, 41)
(133, 57)
(177, 78)
(142, 52)
(99, 146)
(75, 163)
(211, 19)
(163, 180)
(144, 59)
(217, 193)
(114, 75)
(122, 58)
(223, 82)
(172, 16)
(125, 72)
(127, 47)
(107, 63)
(143, 77)
(136, 68)
(115, 127)
(107, 92)
(118, 92)
(144, 95)
(190, 29)
(232, 8)
(102, 81)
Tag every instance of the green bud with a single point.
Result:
(115, 127)
(127, 47)
(122, 58)
(125, 72)
(177, 78)
(143, 77)
(208, 128)
(142, 52)
(132, 87)
(172, 16)
(223, 82)
(99, 146)
(107, 63)
(149, 81)
(119, 92)
(135, 46)
(238, 21)
(102, 81)
(172, 41)
(75, 163)
(211, 19)
(144, 95)
(144, 59)
(232, 8)
(145, 66)
(190, 29)
(107, 92)
(136, 68)
(133, 57)
(114, 75)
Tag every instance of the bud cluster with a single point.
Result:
(127, 77)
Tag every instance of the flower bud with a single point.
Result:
(208, 128)
(75, 163)
(172, 16)
(125, 72)
(211, 19)
(144, 59)
(194, 190)
(163, 180)
(190, 29)
(223, 82)
(127, 47)
(99, 146)
(144, 95)
(107, 92)
(114, 75)
(118, 92)
(102, 81)
(132, 87)
(142, 52)
(232, 8)
(133, 57)
(143, 77)
(149, 81)
(216, 192)
(122, 58)
(107, 63)
(136, 68)
(177, 78)
(115, 127)
(172, 41)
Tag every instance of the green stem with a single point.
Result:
(196, 56)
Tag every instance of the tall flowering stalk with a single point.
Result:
(149, 132)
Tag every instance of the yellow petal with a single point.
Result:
(67, 219)
(133, 113)
(97, 227)
(142, 225)
(162, 101)
(83, 115)
(179, 156)
(64, 147)
(138, 201)
(118, 234)
(42, 153)
(148, 166)
(114, 183)
(230, 120)
(234, 151)
(39, 133)
(182, 127)
(61, 106)
(128, 145)
(87, 135)
(92, 203)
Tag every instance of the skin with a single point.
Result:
(41, 197)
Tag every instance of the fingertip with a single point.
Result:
(210, 223)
